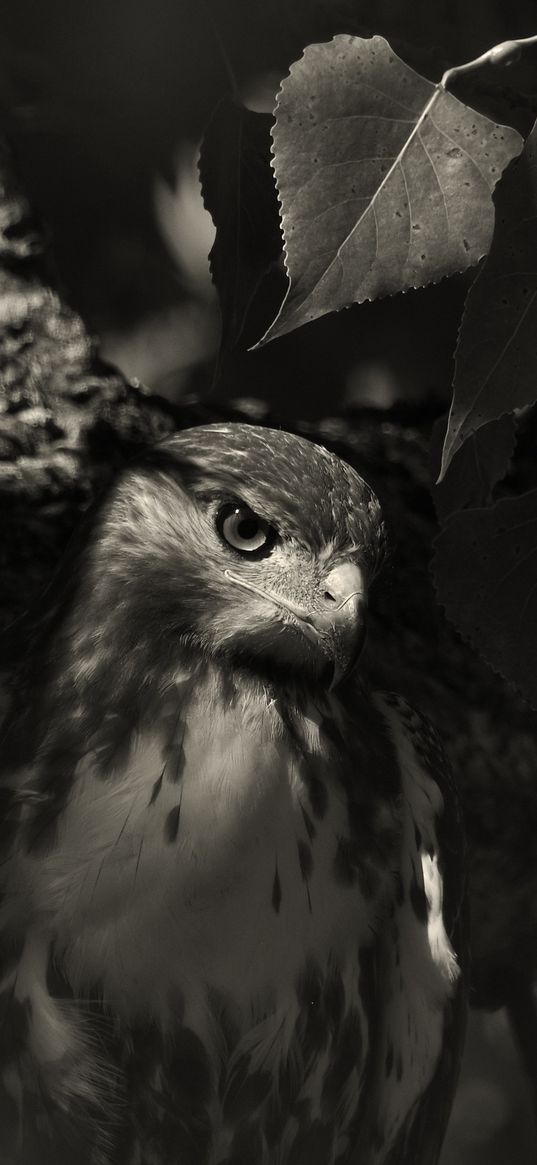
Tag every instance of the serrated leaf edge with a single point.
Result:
(438, 88)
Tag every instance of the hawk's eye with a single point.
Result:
(244, 530)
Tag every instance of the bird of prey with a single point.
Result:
(230, 872)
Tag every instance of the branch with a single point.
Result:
(67, 420)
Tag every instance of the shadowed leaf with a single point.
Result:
(384, 179)
(238, 191)
(485, 571)
(476, 468)
(496, 357)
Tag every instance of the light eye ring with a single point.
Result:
(254, 539)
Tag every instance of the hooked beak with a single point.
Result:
(341, 621)
(337, 624)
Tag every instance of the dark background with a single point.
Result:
(108, 103)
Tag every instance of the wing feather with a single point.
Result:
(421, 958)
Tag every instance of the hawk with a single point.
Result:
(230, 872)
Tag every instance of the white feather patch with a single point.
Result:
(441, 948)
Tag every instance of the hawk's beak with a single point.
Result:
(335, 623)
(340, 621)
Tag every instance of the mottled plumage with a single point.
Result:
(230, 872)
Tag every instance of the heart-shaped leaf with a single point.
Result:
(485, 570)
(384, 179)
(495, 361)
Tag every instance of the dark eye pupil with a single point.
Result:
(247, 528)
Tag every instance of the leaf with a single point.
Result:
(384, 179)
(476, 468)
(496, 356)
(485, 571)
(238, 191)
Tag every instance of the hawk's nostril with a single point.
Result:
(328, 598)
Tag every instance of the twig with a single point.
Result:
(504, 54)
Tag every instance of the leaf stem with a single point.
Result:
(504, 54)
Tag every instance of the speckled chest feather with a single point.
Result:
(199, 983)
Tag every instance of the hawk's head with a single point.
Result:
(241, 541)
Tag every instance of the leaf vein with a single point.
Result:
(460, 147)
(409, 239)
(386, 178)
(433, 168)
(365, 84)
(372, 117)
